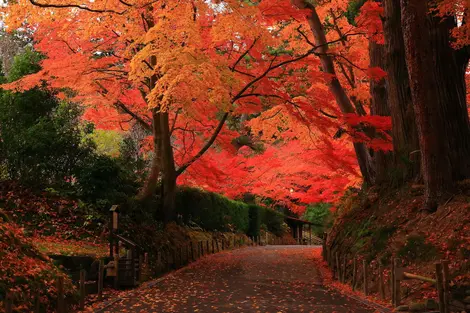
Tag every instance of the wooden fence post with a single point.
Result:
(8, 303)
(213, 246)
(396, 283)
(37, 303)
(116, 268)
(392, 281)
(364, 269)
(60, 295)
(381, 283)
(100, 280)
(343, 271)
(439, 285)
(207, 247)
(223, 244)
(445, 283)
(354, 280)
(192, 251)
(82, 289)
(167, 252)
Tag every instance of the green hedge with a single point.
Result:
(212, 211)
(273, 220)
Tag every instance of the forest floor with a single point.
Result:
(255, 279)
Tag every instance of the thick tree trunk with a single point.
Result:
(439, 104)
(168, 170)
(342, 99)
(151, 183)
(404, 130)
(379, 106)
(449, 66)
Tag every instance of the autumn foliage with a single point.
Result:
(230, 92)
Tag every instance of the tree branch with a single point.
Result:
(206, 146)
(78, 6)
(140, 120)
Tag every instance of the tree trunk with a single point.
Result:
(404, 130)
(441, 114)
(169, 171)
(379, 106)
(151, 183)
(342, 99)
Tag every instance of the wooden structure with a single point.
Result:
(125, 268)
(300, 228)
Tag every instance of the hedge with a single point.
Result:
(213, 212)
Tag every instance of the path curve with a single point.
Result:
(256, 279)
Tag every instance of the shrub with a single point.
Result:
(321, 215)
(103, 182)
(41, 137)
(254, 215)
(273, 220)
(212, 211)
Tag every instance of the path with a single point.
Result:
(256, 279)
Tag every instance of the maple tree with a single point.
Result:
(216, 67)
(290, 77)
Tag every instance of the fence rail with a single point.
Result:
(397, 274)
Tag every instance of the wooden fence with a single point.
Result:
(165, 260)
(346, 270)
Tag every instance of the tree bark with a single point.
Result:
(379, 106)
(404, 130)
(437, 86)
(342, 99)
(151, 183)
(168, 170)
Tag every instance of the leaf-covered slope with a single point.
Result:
(25, 272)
(379, 226)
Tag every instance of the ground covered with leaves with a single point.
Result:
(55, 224)
(256, 279)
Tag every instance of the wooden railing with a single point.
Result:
(340, 265)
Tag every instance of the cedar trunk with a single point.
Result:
(437, 86)
(379, 106)
(406, 152)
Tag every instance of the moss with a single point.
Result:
(380, 238)
(417, 249)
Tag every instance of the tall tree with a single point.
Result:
(342, 99)
(404, 131)
(439, 100)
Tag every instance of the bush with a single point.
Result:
(321, 215)
(212, 211)
(41, 137)
(273, 220)
(254, 215)
(103, 181)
